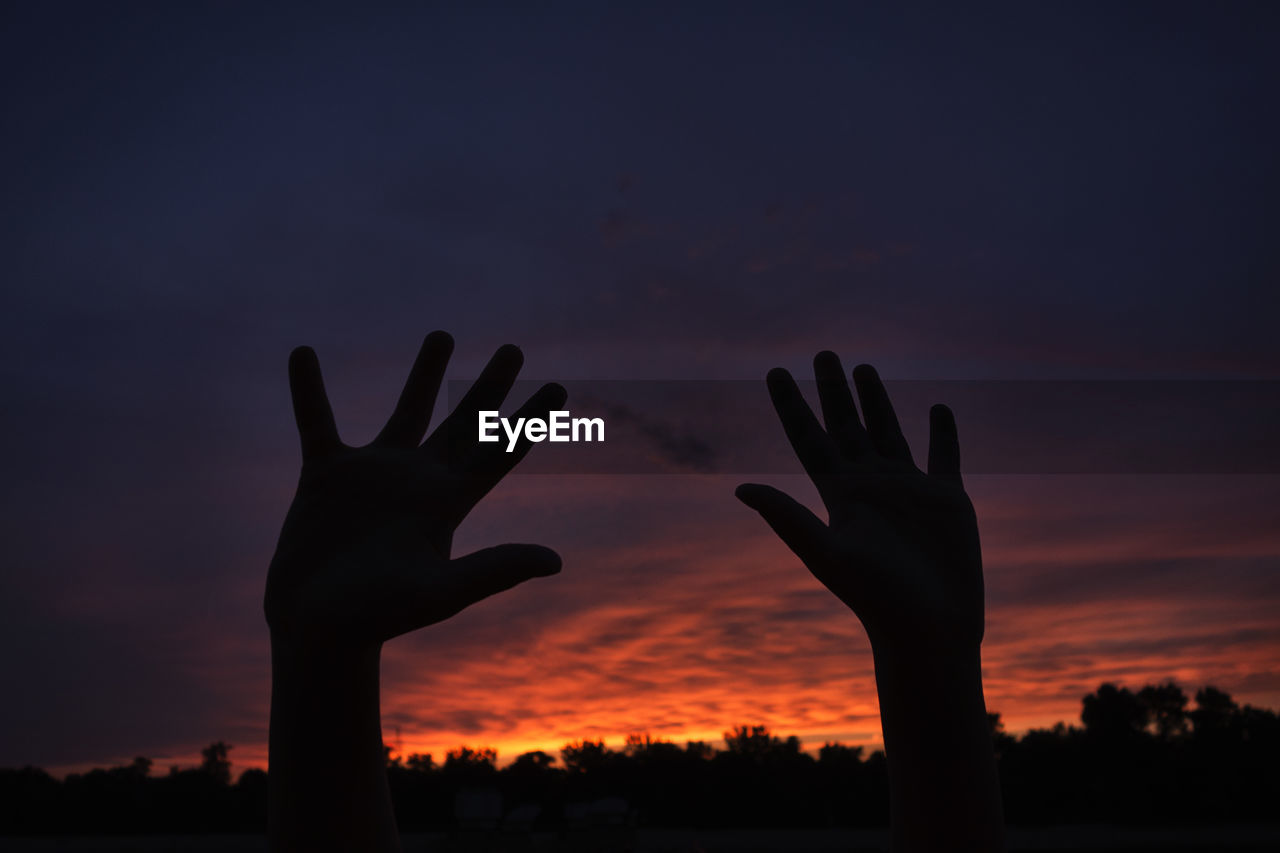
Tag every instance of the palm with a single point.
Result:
(901, 546)
(908, 558)
(365, 550)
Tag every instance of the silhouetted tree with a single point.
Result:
(471, 766)
(584, 756)
(250, 813)
(839, 756)
(1134, 761)
(1000, 739)
(749, 741)
(215, 763)
(699, 749)
(536, 761)
(1166, 709)
(1113, 714)
(1213, 713)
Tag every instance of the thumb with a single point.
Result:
(801, 530)
(489, 571)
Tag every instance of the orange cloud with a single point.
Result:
(693, 627)
(678, 613)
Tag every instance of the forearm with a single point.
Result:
(328, 781)
(944, 791)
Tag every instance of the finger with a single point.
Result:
(311, 409)
(408, 423)
(490, 462)
(458, 432)
(815, 449)
(882, 424)
(944, 444)
(838, 410)
(801, 530)
(486, 572)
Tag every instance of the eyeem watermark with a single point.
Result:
(1007, 427)
(558, 427)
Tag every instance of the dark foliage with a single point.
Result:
(1138, 757)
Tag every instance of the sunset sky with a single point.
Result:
(668, 200)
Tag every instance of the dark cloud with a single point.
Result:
(679, 449)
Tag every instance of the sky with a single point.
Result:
(1058, 217)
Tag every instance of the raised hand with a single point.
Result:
(364, 555)
(900, 547)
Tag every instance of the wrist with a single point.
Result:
(335, 797)
(294, 650)
(299, 668)
(926, 657)
(911, 677)
(945, 791)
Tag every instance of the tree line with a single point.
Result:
(1137, 756)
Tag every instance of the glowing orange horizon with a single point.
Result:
(683, 629)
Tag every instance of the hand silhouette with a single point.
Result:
(901, 546)
(364, 555)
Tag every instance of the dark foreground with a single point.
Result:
(1067, 838)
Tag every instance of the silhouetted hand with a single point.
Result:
(901, 546)
(901, 549)
(364, 555)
